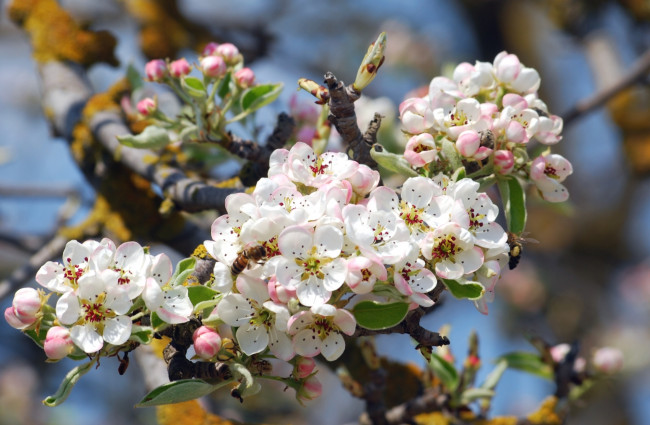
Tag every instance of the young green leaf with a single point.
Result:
(153, 137)
(178, 391)
(391, 162)
(67, 384)
(493, 378)
(141, 334)
(254, 98)
(471, 394)
(200, 293)
(194, 87)
(471, 290)
(183, 270)
(376, 316)
(444, 370)
(528, 362)
(450, 152)
(514, 204)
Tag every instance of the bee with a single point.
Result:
(515, 243)
(255, 253)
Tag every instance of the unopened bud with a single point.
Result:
(319, 92)
(210, 48)
(373, 59)
(24, 309)
(245, 77)
(303, 367)
(155, 70)
(608, 360)
(504, 161)
(229, 52)
(311, 388)
(213, 66)
(58, 343)
(207, 342)
(179, 68)
(147, 105)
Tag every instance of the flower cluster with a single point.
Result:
(491, 112)
(100, 287)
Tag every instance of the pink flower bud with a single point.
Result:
(514, 100)
(303, 367)
(229, 52)
(306, 134)
(302, 110)
(245, 77)
(504, 161)
(207, 342)
(608, 360)
(155, 70)
(310, 389)
(213, 66)
(558, 352)
(179, 68)
(24, 308)
(279, 293)
(210, 48)
(468, 143)
(364, 180)
(147, 106)
(58, 343)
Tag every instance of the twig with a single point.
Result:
(411, 326)
(638, 71)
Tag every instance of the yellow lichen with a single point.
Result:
(546, 414)
(201, 253)
(56, 36)
(434, 418)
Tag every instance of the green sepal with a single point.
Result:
(141, 334)
(152, 137)
(391, 162)
(470, 290)
(71, 378)
(494, 376)
(514, 204)
(450, 153)
(224, 85)
(471, 394)
(376, 316)
(157, 323)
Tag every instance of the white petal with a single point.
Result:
(176, 307)
(117, 299)
(252, 339)
(328, 241)
(280, 345)
(129, 256)
(333, 346)
(68, 308)
(295, 242)
(345, 321)
(50, 276)
(152, 294)
(423, 282)
(307, 343)
(419, 191)
(421, 299)
(335, 273)
(253, 288)
(76, 253)
(117, 330)
(281, 314)
(90, 286)
(161, 269)
(222, 278)
(312, 291)
(299, 321)
(470, 260)
(287, 272)
(86, 338)
(490, 235)
(235, 310)
(448, 270)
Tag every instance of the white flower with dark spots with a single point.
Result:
(171, 303)
(451, 249)
(318, 331)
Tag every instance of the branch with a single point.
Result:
(344, 118)
(411, 326)
(638, 71)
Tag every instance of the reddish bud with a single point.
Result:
(155, 70)
(245, 77)
(179, 68)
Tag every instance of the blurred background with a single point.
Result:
(588, 279)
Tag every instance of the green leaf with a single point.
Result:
(256, 97)
(471, 394)
(391, 162)
(494, 377)
(194, 87)
(157, 323)
(514, 204)
(224, 85)
(183, 270)
(450, 152)
(133, 77)
(179, 391)
(528, 362)
(459, 174)
(200, 293)
(141, 334)
(153, 137)
(444, 370)
(67, 384)
(471, 290)
(375, 316)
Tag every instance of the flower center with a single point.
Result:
(95, 312)
(458, 118)
(411, 215)
(73, 272)
(318, 167)
(475, 219)
(550, 171)
(324, 327)
(445, 248)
